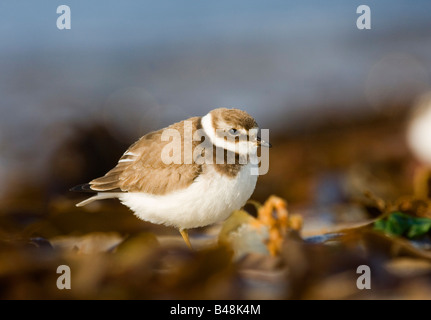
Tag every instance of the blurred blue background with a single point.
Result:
(135, 66)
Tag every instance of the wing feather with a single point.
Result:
(141, 168)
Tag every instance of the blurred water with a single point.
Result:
(139, 65)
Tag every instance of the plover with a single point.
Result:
(215, 176)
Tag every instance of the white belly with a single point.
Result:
(211, 198)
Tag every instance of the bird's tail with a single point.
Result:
(99, 196)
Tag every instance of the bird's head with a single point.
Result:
(234, 130)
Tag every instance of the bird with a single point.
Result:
(212, 174)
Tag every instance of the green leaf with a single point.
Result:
(401, 224)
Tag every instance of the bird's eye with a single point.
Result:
(233, 132)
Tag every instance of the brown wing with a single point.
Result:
(141, 168)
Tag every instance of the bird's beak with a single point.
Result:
(262, 143)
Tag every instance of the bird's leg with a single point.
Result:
(185, 235)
